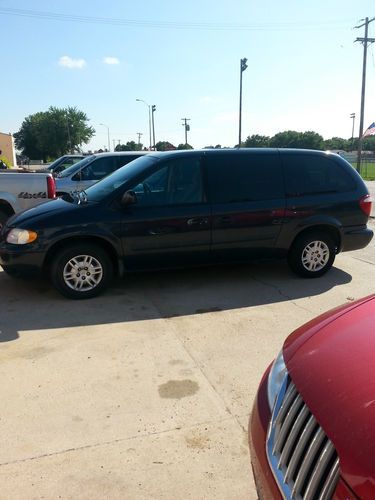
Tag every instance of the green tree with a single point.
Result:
(129, 146)
(184, 146)
(257, 141)
(164, 146)
(53, 133)
(294, 139)
(338, 143)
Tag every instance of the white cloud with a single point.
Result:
(207, 99)
(69, 62)
(111, 60)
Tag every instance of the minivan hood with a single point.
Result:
(49, 208)
(332, 363)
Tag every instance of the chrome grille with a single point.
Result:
(303, 460)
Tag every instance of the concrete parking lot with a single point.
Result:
(146, 391)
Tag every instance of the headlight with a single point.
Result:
(21, 236)
(275, 379)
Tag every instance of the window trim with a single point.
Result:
(158, 167)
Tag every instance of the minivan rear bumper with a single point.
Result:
(354, 238)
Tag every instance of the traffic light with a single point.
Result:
(153, 108)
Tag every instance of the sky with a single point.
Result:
(304, 69)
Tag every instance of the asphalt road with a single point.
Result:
(146, 391)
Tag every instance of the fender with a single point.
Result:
(295, 225)
(11, 200)
(61, 236)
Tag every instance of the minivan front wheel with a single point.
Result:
(82, 271)
(312, 255)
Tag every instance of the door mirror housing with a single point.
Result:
(128, 198)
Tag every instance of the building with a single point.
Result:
(7, 150)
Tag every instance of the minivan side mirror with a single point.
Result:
(128, 198)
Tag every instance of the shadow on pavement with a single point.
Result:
(35, 305)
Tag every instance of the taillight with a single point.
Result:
(366, 204)
(51, 187)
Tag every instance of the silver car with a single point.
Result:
(91, 169)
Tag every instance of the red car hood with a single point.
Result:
(331, 360)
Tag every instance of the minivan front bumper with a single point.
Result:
(16, 259)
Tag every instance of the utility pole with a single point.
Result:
(243, 67)
(187, 128)
(114, 144)
(139, 137)
(153, 109)
(365, 41)
(352, 116)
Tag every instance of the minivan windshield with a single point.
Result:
(106, 186)
(77, 166)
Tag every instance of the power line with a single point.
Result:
(55, 16)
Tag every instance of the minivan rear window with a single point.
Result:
(244, 177)
(315, 174)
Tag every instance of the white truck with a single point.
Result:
(20, 191)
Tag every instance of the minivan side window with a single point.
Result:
(124, 160)
(244, 177)
(96, 170)
(315, 174)
(176, 182)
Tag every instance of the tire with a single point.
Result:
(312, 254)
(81, 271)
(3, 218)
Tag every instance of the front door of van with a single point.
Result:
(170, 224)
(246, 190)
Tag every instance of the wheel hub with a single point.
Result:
(83, 273)
(315, 256)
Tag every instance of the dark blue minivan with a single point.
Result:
(194, 207)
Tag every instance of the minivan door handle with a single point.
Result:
(197, 221)
(225, 219)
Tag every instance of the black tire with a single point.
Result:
(3, 218)
(93, 274)
(301, 256)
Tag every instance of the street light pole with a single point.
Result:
(352, 116)
(243, 67)
(109, 142)
(149, 118)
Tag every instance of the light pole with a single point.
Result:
(352, 116)
(149, 118)
(109, 143)
(243, 67)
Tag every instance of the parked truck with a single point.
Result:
(20, 191)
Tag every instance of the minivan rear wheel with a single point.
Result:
(82, 271)
(312, 254)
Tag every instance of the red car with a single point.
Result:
(312, 428)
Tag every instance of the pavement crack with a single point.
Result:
(114, 441)
(281, 293)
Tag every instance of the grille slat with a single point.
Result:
(319, 470)
(308, 461)
(305, 437)
(303, 459)
(331, 481)
(291, 441)
(287, 424)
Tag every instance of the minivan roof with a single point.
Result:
(121, 153)
(166, 154)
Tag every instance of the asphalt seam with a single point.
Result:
(121, 440)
